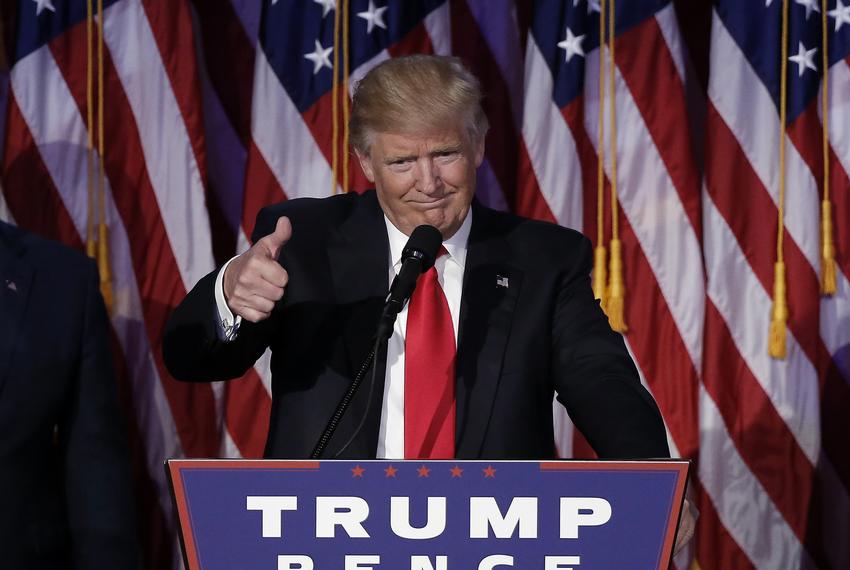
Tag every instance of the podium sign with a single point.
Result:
(431, 515)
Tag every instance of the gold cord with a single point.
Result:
(335, 104)
(345, 99)
(600, 276)
(103, 233)
(91, 244)
(616, 287)
(828, 268)
(777, 343)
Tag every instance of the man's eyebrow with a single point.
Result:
(389, 159)
(447, 148)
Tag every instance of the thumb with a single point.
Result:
(275, 240)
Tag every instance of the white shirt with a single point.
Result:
(450, 275)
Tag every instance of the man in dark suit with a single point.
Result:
(518, 291)
(65, 496)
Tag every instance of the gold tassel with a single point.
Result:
(103, 266)
(615, 307)
(828, 281)
(600, 275)
(779, 315)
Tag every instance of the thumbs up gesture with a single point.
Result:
(254, 281)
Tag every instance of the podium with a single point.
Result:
(427, 515)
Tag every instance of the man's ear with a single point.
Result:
(479, 152)
(366, 165)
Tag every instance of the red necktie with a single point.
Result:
(429, 373)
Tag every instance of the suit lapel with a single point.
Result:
(15, 280)
(358, 254)
(490, 290)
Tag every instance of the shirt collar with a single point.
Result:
(456, 245)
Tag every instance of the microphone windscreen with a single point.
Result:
(424, 242)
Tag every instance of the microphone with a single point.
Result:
(417, 257)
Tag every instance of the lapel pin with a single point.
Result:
(11, 286)
(501, 281)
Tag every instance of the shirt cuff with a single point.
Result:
(228, 324)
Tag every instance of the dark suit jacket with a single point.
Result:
(65, 490)
(518, 345)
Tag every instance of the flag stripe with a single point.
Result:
(166, 153)
(839, 137)
(497, 25)
(262, 189)
(677, 276)
(27, 182)
(647, 65)
(229, 54)
(716, 548)
(470, 45)
(64, 165)
(806, 134)
(741, 502)
(727, 169)
(745, 304)
(438, 25)
(658, 347)
(648, 197)
(150, 250)
(530, 200)
(758, 430)
(171, 28)
(549, 142)
(298, 165)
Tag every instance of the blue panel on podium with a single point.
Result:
(399, 515)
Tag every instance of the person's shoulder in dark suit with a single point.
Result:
(65, 487)
(544, 242)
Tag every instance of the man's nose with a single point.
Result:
(428, 178)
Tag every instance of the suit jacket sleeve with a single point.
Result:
(96, 461)
(192, 349)
(596, 379)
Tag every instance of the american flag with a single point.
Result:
(214, 108)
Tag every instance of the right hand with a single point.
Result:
(255, 281)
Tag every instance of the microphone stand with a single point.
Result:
(382, 335)
(344, 402)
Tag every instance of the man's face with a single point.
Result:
(424, 179)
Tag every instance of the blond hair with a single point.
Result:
(416, 94)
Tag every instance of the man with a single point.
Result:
(65, 497)
(523, 318)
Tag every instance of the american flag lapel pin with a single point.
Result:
(501, 281)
